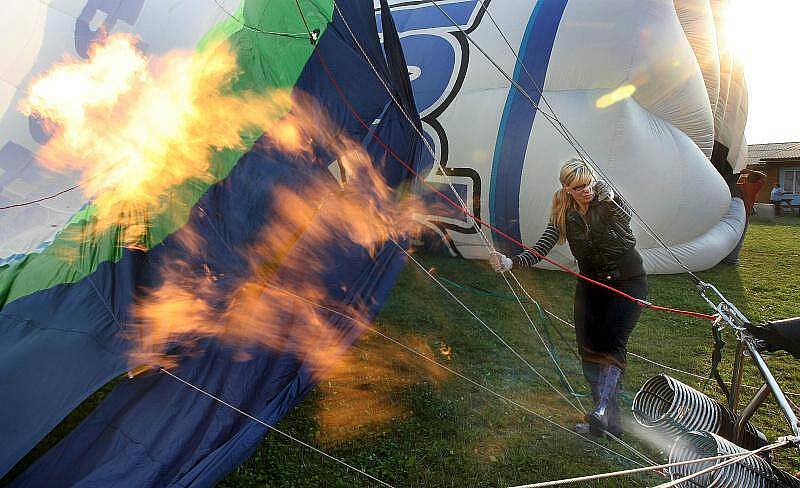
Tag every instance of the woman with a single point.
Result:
(596, 225)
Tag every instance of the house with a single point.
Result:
(781, 163)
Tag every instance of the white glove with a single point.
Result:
(500, 262)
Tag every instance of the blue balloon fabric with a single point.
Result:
(153, 430)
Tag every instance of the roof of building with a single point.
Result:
(772, 151)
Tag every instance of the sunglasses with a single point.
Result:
(580, 188)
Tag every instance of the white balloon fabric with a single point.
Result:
(646, 88)
(42, 34)
(638, 87)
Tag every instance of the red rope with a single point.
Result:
(641, 302)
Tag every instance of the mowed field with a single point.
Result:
(462, 393)
(411, 422)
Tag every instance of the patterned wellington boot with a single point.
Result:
(591, 371)
(584, 428)
(607, 398)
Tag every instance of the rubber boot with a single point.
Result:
(584, 428)
(607, 397)
(591, 371)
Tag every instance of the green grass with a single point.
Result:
(409, 422)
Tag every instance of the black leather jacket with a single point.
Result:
(602, 241)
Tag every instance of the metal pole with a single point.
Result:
(774, 387)
(736, 380)
(749, 410)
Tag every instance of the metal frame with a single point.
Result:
(746, 346)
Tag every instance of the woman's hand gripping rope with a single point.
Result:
(500, 262)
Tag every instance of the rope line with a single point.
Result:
(625, 472)
(555, 316)
(447, 199)
(547, 348)
(292, 35)
(462, 206)
(723, 464)
(443, 171)
(274, 429)
(661, 365)
(485, 325)
(555, 361)
(32, 202)
(456, 373)
(612, 436)
(558, 125)
(303, 17)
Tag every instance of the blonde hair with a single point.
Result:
(574, 172)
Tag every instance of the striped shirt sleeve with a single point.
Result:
(619, 207)
(620, 210)
(543, 246)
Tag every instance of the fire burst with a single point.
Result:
(135, 127)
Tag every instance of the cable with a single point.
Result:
(274, 429)
(313, 35)
(723, 464)
(443, 171)
(292, 35)
(626, 472)
(23, 204)
(447, 199)
(544, 343)
(303, 17)
(456, 373)
(462, 207)
(561, 127)
(483, 323)
(656, 363)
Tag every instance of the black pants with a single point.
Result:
(604, 320)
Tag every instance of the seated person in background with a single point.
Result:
(776, 197)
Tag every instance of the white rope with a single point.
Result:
(562, 129)
(567, 137)
(723, 464)
(447, 176)
(487, 327)
(463, 204)
(274, 429)
(448, 179)
(619, 440)
(541, 338)
(626, 472)
(612, 436)
(457, 374)
(656, 363)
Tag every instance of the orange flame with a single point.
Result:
(137, 127)
(364, 212)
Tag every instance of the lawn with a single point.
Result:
(412, 421)
(409, 422)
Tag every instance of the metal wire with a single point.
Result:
(559, 126)
(626, 472)
(272, 428)
(456, 373)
